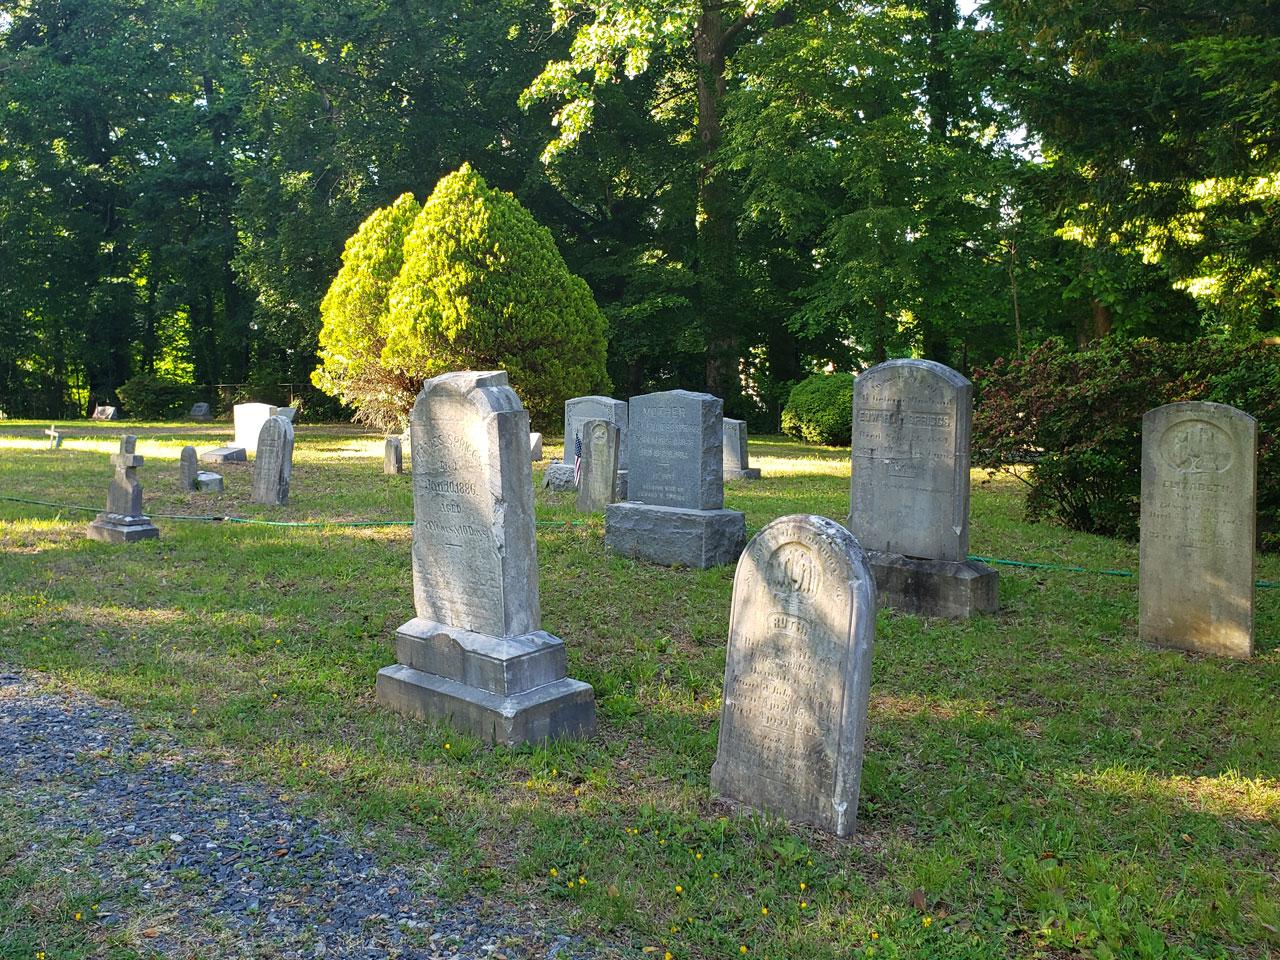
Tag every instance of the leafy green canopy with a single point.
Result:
(470, 281)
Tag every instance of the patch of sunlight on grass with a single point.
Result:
(1227, 795)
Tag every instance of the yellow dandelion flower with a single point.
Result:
(764, 911)
(679, 889)
(743, 948)
(77, 914)
(804, 904)
(697, 856)
(448, 746)
(927, 921)
(555, 872)
(874, 935)
(667, 955)
(802, 885)
(582, 881)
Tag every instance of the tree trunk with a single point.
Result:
(716, 228)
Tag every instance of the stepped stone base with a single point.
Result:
(675, 536)
(503, 690)
(114, 528)
(935, 588)
(751, 473)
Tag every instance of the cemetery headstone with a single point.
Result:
(188, 468)
(248, 419)
(535, 447)
(273, 465)
(104, 413)
(123, 521)
(200, 411)
(392, 456)
(674, 512)
(208, 482)
(1198, 526)
(909, 493)
(797, 677)
(289, 413)
(737, 466)
(475, 655)
(227, 454)
(55, 437)
(598, 483)
(578, 410)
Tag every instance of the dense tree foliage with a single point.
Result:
(754, 191)
(468, 281)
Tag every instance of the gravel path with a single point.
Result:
(235, 871)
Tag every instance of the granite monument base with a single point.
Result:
(115, 528)
(675, 536)
(935, 588)
(505, 690)
(751, 473)
(229, 454)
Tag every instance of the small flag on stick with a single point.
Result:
(577, 460)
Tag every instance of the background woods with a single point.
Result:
(752, 192)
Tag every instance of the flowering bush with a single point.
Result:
(1076, 418)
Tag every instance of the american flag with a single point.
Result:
(577, 460)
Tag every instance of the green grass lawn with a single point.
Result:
(1037, 783)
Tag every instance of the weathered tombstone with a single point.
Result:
(598, 484)
(909, 494)
(273, 465)
(475, 655)
(227, 454)
(289, 413)
(248, 419)
(200, 411)
(674, 513)
(55, 437)
(104, 413)
(797, 677)
(736, 464)
(1198, 523)
(123, 521)
(188, 468)
(535, 447)
(392, 456)
(207, 482)
(578, 410)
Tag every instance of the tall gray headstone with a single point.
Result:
(273, 465)
(797, 676)
(674, 513)
(248, 419)
(123, 521)
(737, 465)
(1198, 523)
(909, 492)
(475, 655)
(598, 485)
(392, 456)
(188, 468)
(535, 447)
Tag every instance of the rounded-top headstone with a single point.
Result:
(909, 492)
(798, 674)
(1198, 522)
(475, 562)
